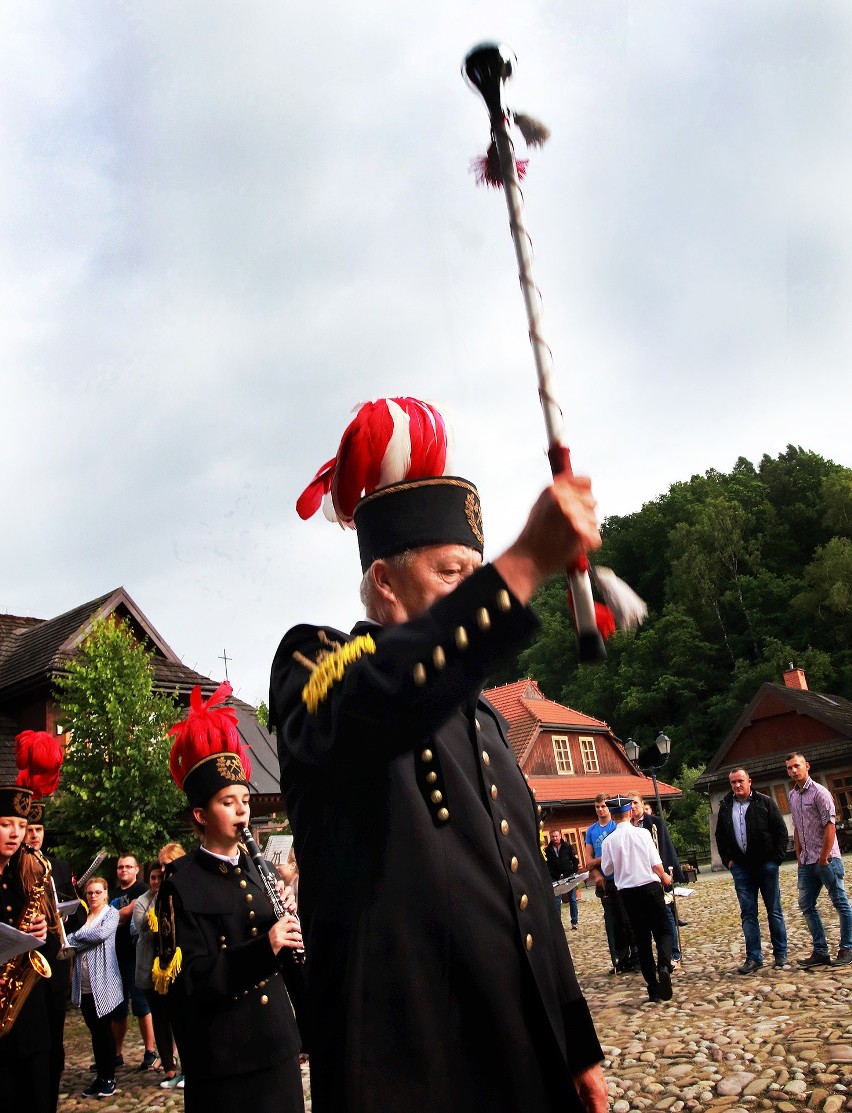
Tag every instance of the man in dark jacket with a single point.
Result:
(435, 967)
(752, 838)
(562, 862)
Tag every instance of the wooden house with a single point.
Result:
(779, 719)
(568, 758)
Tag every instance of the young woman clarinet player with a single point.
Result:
(223, 956)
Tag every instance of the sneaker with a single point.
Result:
(93, 1090)
(844, 956)
(180, 1083)
(170, 1083)
(574, 927)
(815, 959)
(783, 963)
(106, 1089)
(148, 1060)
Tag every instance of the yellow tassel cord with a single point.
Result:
(153, 925)
(331, 669)
(162, 979)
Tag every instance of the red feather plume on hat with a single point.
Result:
(208, 729)
(389, 440)
(39, 758)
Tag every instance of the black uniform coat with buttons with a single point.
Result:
(24, 1051)
(438, 975)
(228, 1005)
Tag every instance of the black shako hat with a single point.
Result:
(438, 510)
(36, 812)
(15, 802)
(619, 804)
(207, 753)
(210, 775)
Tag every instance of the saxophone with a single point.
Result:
(20, 975)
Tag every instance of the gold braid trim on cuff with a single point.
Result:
(162, 979)
(331, 669)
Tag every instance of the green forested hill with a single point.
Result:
(743, 573)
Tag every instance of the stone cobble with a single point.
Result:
(775, 1040)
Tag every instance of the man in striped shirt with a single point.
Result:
(813, 812)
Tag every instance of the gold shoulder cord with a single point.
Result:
(331, 668)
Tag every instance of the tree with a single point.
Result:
(116, 792)
(689, 816)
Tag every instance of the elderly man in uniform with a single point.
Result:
(438, 976)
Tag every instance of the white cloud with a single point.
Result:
(220, 228)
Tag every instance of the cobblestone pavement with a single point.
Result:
(778, 1040)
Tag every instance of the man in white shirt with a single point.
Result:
(630, 855)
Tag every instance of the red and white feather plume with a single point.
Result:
(207, 729)
(389, 440)
(39, 759)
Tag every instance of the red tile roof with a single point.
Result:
(581, 789)
(526, 709)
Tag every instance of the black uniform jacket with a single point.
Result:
(30, 1034)
(659, 832)
(766, 832)
(438, 976)
(228, 1004)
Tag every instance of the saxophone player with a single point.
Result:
(25, 1049)
(223, 954)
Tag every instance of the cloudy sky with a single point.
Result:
(222, 225)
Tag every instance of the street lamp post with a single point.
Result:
(664, 745)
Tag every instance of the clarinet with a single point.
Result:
(269, 880)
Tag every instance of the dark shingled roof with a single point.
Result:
(32, 650)
(29, 649)
(834, 712)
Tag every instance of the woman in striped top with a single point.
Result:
(96, 986)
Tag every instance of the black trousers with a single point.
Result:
(56, 999)
(163, 1036)
(646, 910)
(619, 933)
(103, 1042)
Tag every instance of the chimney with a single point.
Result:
(795, 678)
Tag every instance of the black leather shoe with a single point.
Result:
(815, 959)
(682, 923)
(664, 985)
(844, 957)
(749, 966)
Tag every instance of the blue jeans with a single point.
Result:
(764, 881)
(676, 955)
(572, 904)
(812, 878)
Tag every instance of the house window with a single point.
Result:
(589, 755)
(562, 754)
(781, 799)
(841, 788)
(576, 842)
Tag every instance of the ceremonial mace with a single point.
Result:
(486, 68)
